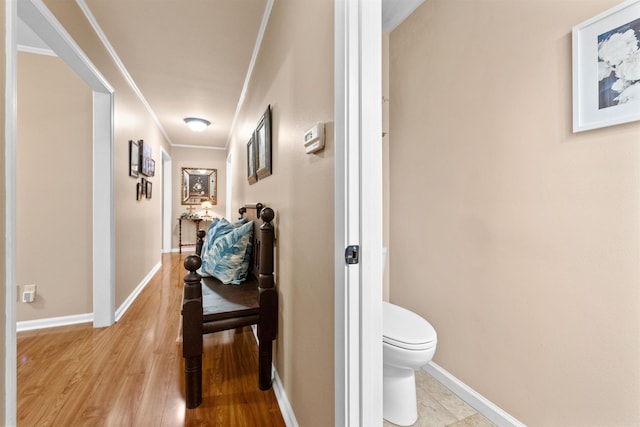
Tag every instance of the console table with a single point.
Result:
(197, 222)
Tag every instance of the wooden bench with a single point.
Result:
(210, 306)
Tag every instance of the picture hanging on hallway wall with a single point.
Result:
(145, 158)
(134, 158)
(199, 185)
(263, 145)
(252, 177)
(606, 68)
(259, 149)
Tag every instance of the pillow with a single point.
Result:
(219, 227)
(228, 258)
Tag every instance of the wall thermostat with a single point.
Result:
(314, 139)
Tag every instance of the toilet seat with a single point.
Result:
(405, 329)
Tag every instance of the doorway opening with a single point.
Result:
(42, 22)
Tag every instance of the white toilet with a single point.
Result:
(409, 342)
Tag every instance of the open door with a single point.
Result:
(358, 220)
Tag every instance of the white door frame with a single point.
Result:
(358, 212)
(36, 15)
(167, 200)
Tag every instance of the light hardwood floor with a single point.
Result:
(131, 374)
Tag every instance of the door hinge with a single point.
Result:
(352, 254)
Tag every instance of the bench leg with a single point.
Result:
(193, 381)
(264, 364)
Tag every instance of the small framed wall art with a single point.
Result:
(252, 177)
(606, 68)
(263, 145)
(134, 158)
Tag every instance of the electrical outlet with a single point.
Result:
(29, 294)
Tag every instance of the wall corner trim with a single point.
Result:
(132, 297)
(474, 399)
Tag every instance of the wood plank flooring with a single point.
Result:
(132, 373)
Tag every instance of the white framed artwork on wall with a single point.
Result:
(606, 68)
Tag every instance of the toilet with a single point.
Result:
(409, 342)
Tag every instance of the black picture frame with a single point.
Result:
(252, 177)
(139, 191)
(145, 158)
(148, 189)
(262, 137)
(134, 159)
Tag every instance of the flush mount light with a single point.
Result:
(196, 124)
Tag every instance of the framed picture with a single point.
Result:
(199, 185)
(147, 189)
(152, 167)
(263, 145)
(606, 68)
(145, 158)
(134, 159)
(252, 177)
(139, 191)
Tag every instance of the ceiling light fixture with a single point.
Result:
(196, 124)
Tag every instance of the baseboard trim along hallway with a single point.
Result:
(488, 409)
(54, 322)
(278, 388)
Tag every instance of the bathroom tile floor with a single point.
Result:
(437, 406)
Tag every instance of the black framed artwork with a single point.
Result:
(134, 158)
(252, 177)
(262, 136)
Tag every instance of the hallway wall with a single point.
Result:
(138, 223)
(294, 74)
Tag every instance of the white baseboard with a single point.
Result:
(53, 322)
(132, 297)
(283, 402)
(474, 399)
(281, 396)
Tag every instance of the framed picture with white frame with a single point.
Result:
(606, 68)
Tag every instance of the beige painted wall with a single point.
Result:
(524, 245)
(138, 223)
(188, 157)
(54, 176)
(294, 73)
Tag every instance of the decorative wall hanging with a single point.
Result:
(134, 159)
(145, 158)
(199, 185)
(140, 189)
(606, 68)
(252, 177)
(263, 145)
(259, 149)
(147, 189)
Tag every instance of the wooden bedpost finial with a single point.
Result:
(242, 211)
(267, 215)
(192, 263)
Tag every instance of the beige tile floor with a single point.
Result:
(439, 407)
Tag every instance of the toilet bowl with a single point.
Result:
(409, 342)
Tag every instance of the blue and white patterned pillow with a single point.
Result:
(227, 259)
(219, 227)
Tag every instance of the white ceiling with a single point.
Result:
(188, 58)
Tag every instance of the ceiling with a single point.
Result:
(188, 58)
(185, 58)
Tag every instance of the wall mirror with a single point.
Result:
(199, 185)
